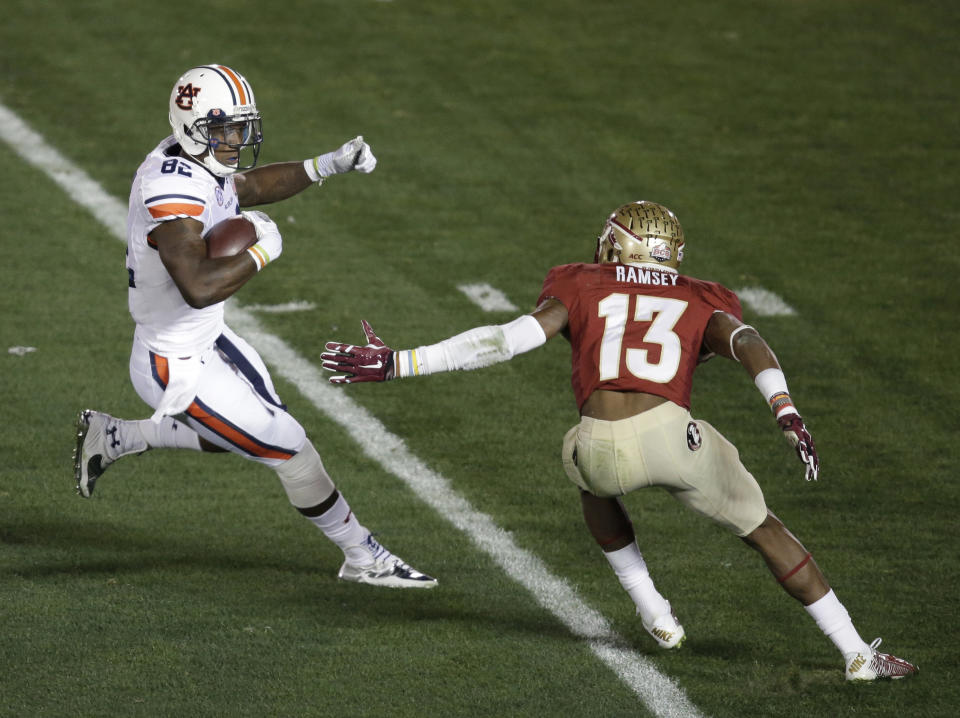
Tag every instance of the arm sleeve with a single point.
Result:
(472, 349)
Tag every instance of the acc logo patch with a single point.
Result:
(694, 440)
(185, 95)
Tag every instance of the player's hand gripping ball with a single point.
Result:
(230, 237)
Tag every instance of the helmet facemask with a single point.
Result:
(240, 135)
(641, 233)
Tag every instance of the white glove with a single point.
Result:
(269, 244)
(353, 155)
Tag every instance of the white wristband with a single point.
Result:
(773, 385)
(259, 256)
(313, 172)
(410, 362)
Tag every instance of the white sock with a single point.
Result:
(340, 526)
(168, 434)
(834, 621)
(632, 571)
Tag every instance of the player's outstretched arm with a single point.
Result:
(729, 337)
(280, 180)
(473, 349)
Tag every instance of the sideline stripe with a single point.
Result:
(660, 693)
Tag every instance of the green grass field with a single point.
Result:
(808, 147)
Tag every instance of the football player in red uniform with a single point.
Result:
(637, 330)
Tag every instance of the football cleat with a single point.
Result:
(872, 665)
(385, 569)
(97, 447)
(666, 630)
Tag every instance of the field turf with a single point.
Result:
(809, 147)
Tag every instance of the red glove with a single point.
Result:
(373, 362)
(792, 427)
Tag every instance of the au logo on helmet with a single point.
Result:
(185, 95)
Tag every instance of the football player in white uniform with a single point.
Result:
(209, 388)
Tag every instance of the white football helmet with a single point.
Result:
(641, 233)
(212, 106)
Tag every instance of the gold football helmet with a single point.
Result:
(641, 233)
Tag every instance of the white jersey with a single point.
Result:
(168, 187)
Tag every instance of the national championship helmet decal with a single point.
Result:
(641, 233)
(212, 106)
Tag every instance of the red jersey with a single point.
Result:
(635, 329)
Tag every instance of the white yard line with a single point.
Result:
(661, 694)
(764, 302)
(488, 298)
(285, 308)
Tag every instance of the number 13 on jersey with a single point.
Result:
(663, 314)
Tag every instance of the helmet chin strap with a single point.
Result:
(208, 160)
(218, 168)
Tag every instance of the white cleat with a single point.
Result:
(97, 447)
(385, 569)
(872, 665)
(666, 630)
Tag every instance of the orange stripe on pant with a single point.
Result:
(161, 371)
(235, 436)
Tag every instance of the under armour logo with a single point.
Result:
(113, 437)
(185, 95)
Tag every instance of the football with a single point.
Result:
(230, 236)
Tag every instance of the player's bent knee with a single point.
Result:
(304, 478)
